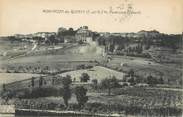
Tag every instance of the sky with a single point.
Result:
(27, 16)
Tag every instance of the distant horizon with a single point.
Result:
(89, 29)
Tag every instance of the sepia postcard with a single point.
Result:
(91, 58)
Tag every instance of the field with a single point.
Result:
(13, 49)
(46, 53)
(97, 72)
(17, 68)
(62, 59)
(144, 67)
(128, 101)
(69, 56)
(59, 58)
(6, 78)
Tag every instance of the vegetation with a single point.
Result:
(128, 101)
(109, 83)
(95, 83)
(81, 97)
(47, 92)
(32, 81)
(4, 87)
(40, 81)
(131, 74)
(153, 81)
(84, 77)
(66, 81)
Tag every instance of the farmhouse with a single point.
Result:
(84, 35)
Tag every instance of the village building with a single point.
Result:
(44, 34)
(69, 39)
(84, 35)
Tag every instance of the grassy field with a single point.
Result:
(55, 58)
(46, 53)
(6, 78)
(11, 49)
(97, 72)
(62, 57)
(144, 67)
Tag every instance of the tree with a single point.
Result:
(139, 48)
(180, 82)
(32, 81)
(84, 77)
(40, 81)
(131, 73)
(138, 79)
(66, 81)
(95, 82)
(71, 29)
(111, 47)
(4, 87)
(53, 81)
(81, 97)
(52, 39)
(151, 80)
(161, 81)
(109, 83)
(131, 80)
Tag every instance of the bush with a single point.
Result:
(39, 92)
(109, 83)
(84, 77)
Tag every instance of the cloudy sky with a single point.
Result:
(27, 16)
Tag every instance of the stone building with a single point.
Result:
(84, 35)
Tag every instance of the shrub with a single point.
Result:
(84, 77)
(38, 92)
